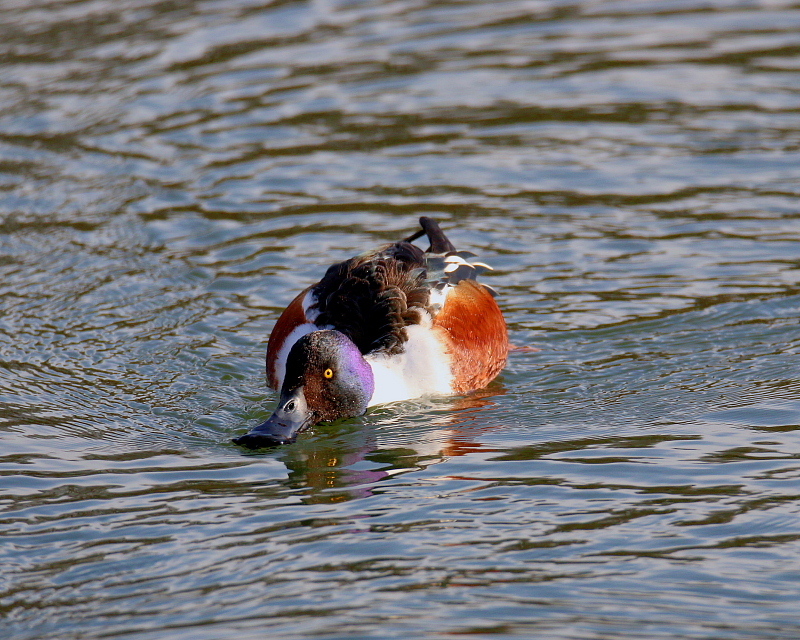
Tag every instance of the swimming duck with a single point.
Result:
(391, 324)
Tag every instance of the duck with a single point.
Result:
(393, 323)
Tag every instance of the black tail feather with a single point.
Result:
(430, 228)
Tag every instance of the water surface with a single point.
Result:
(172, 174)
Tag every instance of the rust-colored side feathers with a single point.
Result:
(476, 335)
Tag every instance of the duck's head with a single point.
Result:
(326, 379)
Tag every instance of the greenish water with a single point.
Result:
(173, 173)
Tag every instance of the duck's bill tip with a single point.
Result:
(255, 440)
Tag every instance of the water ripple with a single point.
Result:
(171, 174)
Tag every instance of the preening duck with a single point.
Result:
(394, 323)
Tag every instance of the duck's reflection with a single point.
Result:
(349, 460)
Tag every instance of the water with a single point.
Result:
(171, 174)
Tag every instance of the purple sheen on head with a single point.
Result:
(354, 367)
(345, 394)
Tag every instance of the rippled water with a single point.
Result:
(172, 173)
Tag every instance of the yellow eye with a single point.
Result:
(328, 373)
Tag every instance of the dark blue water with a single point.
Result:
(172, 174)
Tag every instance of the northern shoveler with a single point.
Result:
(391, 324)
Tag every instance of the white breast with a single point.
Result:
(422, 369)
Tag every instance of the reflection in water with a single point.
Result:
(346, 461)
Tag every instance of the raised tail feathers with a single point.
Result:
(430, 228)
